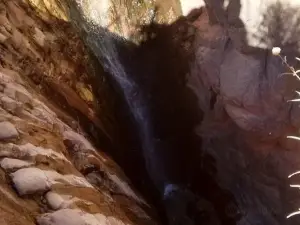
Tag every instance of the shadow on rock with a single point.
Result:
(170, 174)
(164, 66)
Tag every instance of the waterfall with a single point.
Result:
(176, 199)
(106, 47)
(136, 101)
(160, 149)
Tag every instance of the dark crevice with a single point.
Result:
(159, 66)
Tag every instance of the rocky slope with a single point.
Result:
(50, 172)
(47, 52)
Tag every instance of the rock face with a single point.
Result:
(31, 36)
(52, 174)
(246, 120)
(124, 18)
(255, 15)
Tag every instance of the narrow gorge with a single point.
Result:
(129, 112)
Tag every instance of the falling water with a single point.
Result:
(106, 47)
(120, 59)
(137, 103)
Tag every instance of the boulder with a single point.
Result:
(8, 131)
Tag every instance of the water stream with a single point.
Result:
(108, 47)
(161, 150)
(135, 99)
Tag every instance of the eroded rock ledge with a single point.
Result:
(52, 174)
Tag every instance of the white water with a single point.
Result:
(104, 45)
(105, 48)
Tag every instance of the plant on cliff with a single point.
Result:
(276, 52)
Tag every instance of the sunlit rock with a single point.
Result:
(7, 131)
(12, 164)
(76, 217)
(125, 18)
(31, 180)
(40, 54)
